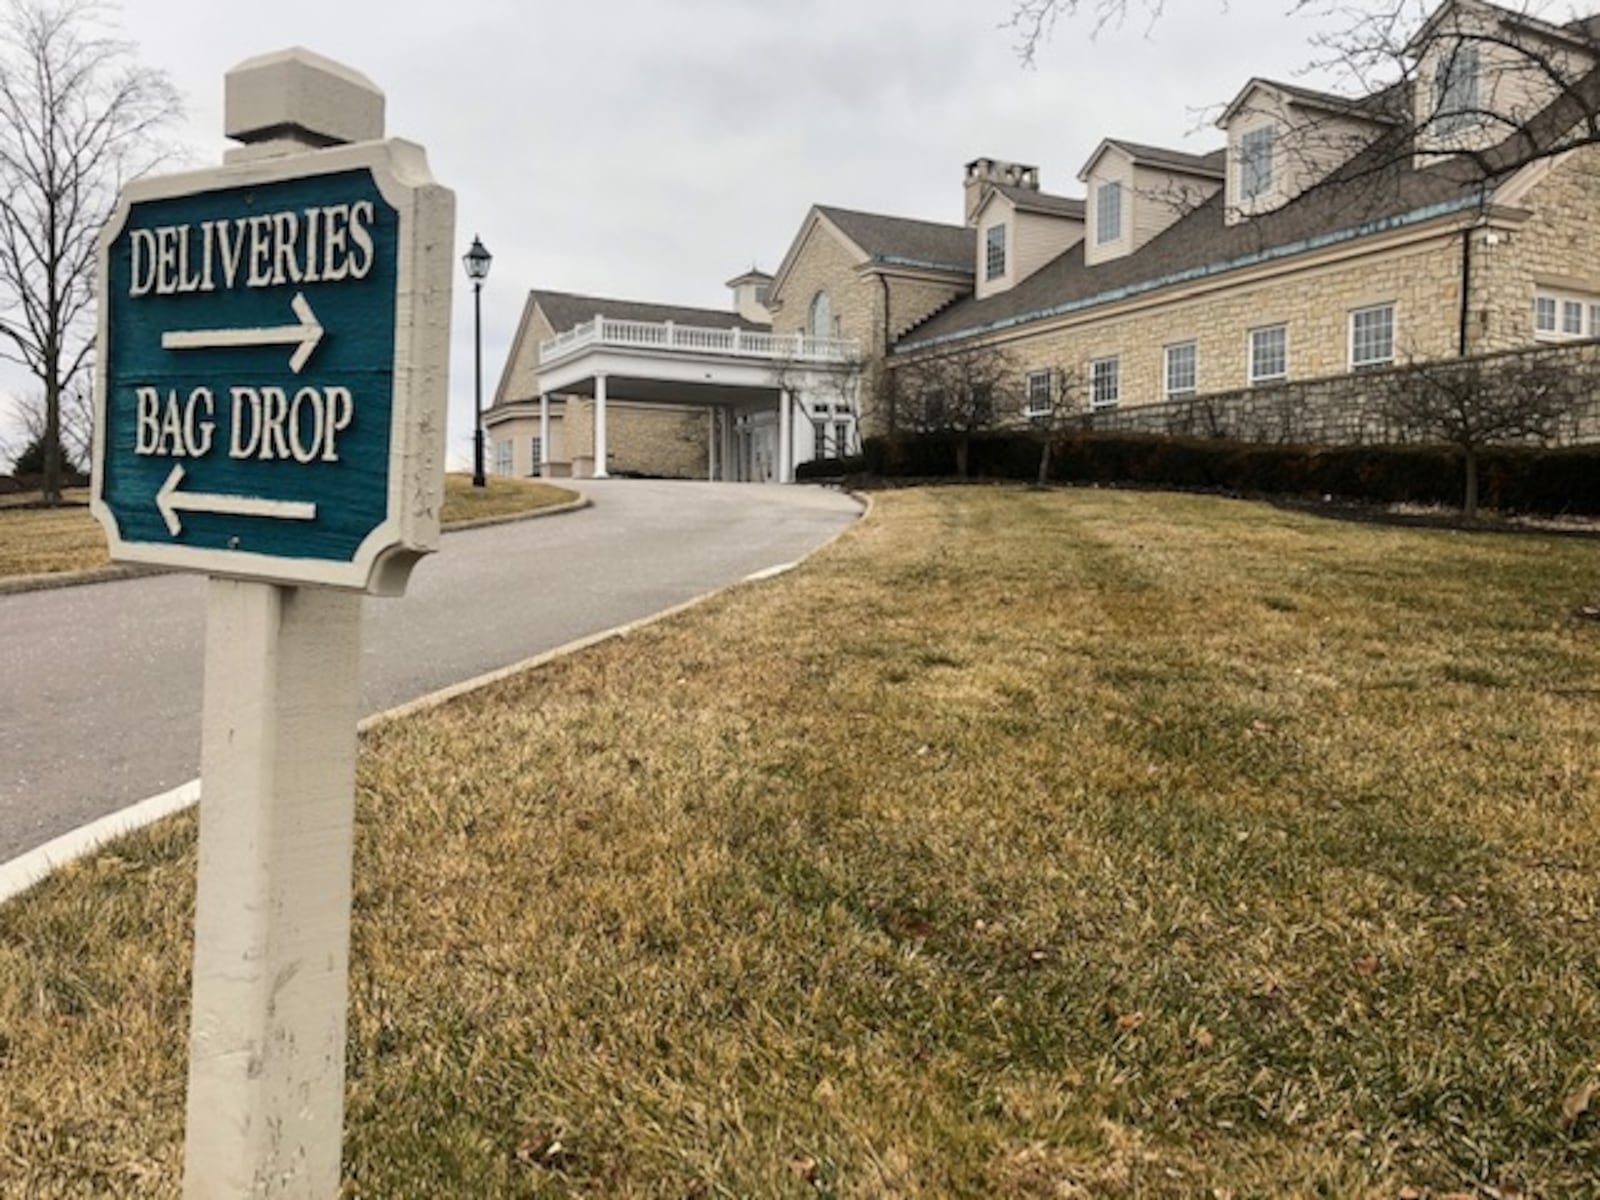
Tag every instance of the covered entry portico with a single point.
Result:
(774, 400)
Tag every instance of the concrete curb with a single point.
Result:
(38, 864)
(65, 579)
(35, 866)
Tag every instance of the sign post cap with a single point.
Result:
(300, 96)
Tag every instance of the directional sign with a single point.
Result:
(272, 368)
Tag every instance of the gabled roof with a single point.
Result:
(1207, 166)
(753, 275)
(905, 242)
(1377, 107)
(1030, 201)
(1581, 32)
(565, 310)
(1378, 189)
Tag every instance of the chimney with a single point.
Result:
(984, 173)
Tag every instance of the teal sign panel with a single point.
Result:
(249, 374)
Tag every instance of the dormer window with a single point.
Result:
(994, 252)
(1455, 90)
(1255, 162)
(1108, 213)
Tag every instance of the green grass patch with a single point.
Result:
(48, 541)
(1019, 845)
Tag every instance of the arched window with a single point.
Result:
(820, 322)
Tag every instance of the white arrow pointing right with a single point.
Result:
(305, 336)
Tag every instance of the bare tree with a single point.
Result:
(76, 426)
(1052, 401)
(78, 118)
(958, 392)
(1499, 85)
(1474, 403)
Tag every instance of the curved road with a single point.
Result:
(100, 700)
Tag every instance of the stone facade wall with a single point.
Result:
(1422, 281)
(1353, 409)
(1558, 247)
(912, 301)
(672, 441)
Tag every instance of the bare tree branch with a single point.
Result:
(79, 117)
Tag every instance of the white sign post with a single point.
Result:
(273, 358)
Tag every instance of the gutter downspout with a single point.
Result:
(880, 383)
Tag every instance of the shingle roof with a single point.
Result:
(1380, 106)
(1211, 163)
(905, 241)
(564, 311)
(1029, 200)
(1379, 185)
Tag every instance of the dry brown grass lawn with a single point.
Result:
(47, 541)
(1081, 844)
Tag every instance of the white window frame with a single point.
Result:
(1105, 382)
(820, 321)
(994, 252)
(1037, 381)
(1553, 310)
(1168, 360)
(1108, 198)
(1255, 357)
(536, 448)
(1256, 150)
(1366, 353)
(504, 455)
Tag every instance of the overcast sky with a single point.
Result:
(652, 149)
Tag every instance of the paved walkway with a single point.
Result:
(100, 697)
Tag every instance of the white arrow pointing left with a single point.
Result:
(304, 336)
(171, 502)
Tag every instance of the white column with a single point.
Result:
(272, 918)
(785, 436)
(544, 435)
(600, 471)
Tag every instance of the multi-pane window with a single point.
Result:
(1372, 337)
(1105, 384)
(536, 448)
(841, 438)
(1039, 383)
(982, 405)
(994, 250)
(502, 457)
(1558, 316)
(1269, 354)
(819, 440)
(1255, 162)
(1108, 213)
(1180, 372)
(1455, 90)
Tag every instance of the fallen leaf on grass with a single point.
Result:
(1204, 1039)
(1130, 1020)
(1367, 967)
(1575, 1105)
(803, 1166)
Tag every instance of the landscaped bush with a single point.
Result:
(1513, 479)
(831, 468)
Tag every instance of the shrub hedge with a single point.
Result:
(1511, 478)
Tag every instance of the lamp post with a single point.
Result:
(477, 260)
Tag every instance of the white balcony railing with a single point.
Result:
(696, 339)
